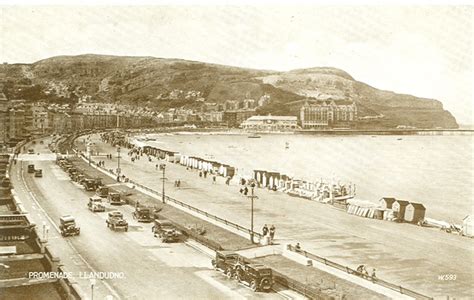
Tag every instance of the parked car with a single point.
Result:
(67, 226)
(226, 262)
(102, 191)
(116, 221)
(166, 231)
(90, 184)
(31, 168)
(142, 214)
(114, 198)
(38, 173)
(95, 204)
(257, 276)
(31, 151)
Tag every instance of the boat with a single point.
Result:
(254, 136)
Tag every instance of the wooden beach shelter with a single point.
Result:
(386, 202)
(467, 226)
(400, 206)
(414, 213)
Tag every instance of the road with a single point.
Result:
(152, 270)
(404, 254)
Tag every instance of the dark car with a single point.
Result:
(31, 168)
(257, 276)
(102, 191)
(226, 262)
(38, 173)
(68, 226)
(166, 231)
(142, 214)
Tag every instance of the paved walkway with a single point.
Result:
(404, 254)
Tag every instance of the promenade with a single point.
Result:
(404, 254)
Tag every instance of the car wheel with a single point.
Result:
(228, 273)
(253, 286)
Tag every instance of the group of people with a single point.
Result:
(270, 232)
(361, 269)
(177, 183)
(101, 163)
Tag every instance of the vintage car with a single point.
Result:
(31, 168)
(90, 184)
(67, 226)
(31, 151)
(102, 191)
(95, 204)
(142, 214)
(114, 198)
(165, 230)
(226, 262)
(38, 173)
(257, 276)
(116, 221)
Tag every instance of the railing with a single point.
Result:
(306, 290)
(200, 211)
(375, 280)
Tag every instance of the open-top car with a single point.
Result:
(166, 231)
(142, 214)
(116, 221)
(226, 262)
(95, 204)
(68, 226)
(257, 276)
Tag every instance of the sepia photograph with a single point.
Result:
(236, 150)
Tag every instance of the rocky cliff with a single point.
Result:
(165, 83)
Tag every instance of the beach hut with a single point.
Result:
(414, 213)
(400, 206)
(378, 214)
(467, 226)
(386, 203)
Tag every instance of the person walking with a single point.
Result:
(272, 232)
(213, 179)
(265, 230)
(246, 191)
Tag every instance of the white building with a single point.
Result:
(270, 123)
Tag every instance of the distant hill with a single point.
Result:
(164, 83)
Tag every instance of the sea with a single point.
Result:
(436, 171)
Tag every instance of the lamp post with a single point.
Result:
(163, 168)
(118, 163)
(252, 197)
(92, 281)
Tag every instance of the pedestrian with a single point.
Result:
(200, 174)
(373, 275)
(265, 230)
(246, 191)
(272, 232)
(241, 190)
(179, 183)
(156, 167)
(175, 183)
(214, 179)
(297, 247)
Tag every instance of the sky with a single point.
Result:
(426, 51)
